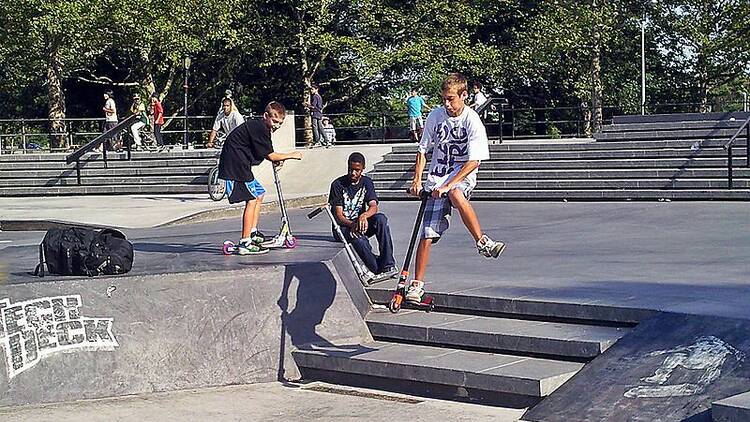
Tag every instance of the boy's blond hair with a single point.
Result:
(455, 81)
(275, 107)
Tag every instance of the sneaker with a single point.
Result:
(257, 237)
(415, 291)
(490, 248)
(389, 272)
(249, 248)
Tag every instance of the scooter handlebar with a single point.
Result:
(424, 194)
(314, 213)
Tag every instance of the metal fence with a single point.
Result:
(502, 121)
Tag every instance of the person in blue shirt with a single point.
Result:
(414, 105)
(355, 206)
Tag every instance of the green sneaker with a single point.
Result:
(257, 237)
(250, 248)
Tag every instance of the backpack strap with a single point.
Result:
(41, 267)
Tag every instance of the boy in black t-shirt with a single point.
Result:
(248, 145)
(355, 206)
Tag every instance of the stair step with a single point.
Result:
(49, 174)
(514, 307)
(670, 126)
(591, 146)
(111, 164)
(594, 194)
(70, 180)
(103, 190)
(674, 134)
(732, 409)
(405, 182)
(500, 373)
(685, 153)
(680, 117)
(555, 174)
(590, 164)
(497, 334)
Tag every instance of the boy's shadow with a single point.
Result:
(316, 291)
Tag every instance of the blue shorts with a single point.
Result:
(243, 191)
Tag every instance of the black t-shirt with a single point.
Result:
(353, 198)
(247, 145)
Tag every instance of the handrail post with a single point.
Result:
(729, 167)
(23, 131)
(747, 147)
(502, 121)
(382, 124)
(78, 171)
(104, 152)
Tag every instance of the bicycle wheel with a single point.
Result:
(216, 187)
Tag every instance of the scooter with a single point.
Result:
(284, 239)
(399, 294)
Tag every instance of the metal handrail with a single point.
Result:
(728, 148)
(99, 140)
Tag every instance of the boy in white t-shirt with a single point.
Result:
(458, 141)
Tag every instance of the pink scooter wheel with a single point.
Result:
(291, 242)
(228, 247)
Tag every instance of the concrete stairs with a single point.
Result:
(145, 173)
(486, 350)
(672, 126)
(640, 169)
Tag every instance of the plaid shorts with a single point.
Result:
(437, 213)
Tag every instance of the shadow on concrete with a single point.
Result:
(316, 291)
(172, 247)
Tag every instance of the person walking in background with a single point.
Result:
(139, 109)
(316, 115)
(158, 111)
(329, 130)
(227, 119)
(110, 118)
(477, 96)
(414, 105)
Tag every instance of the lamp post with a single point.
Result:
(186, 66)
(643, 63)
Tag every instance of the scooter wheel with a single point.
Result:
(290, 242)
(395, 304)
(228, 247)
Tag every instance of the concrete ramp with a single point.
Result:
(74, 339)
(669, 368)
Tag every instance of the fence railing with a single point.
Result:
(502, 120)
(32, 135)
(728, 147)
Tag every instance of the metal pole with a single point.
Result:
(747, 146)
(729, 167)
(643, 64)
(186, 63)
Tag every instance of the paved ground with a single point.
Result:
(678, 256)
(264, 402)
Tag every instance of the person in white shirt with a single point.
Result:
(227, 119)
(478, 97)
(110, 119)
(329, 131)
(458, 141)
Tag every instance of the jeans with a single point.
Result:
(319, 134)
(377, 226)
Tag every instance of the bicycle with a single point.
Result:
(217, 187)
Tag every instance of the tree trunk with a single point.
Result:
(596, 89)
(305, 91)
(55, 99)
(147, 82)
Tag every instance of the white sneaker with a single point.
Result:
(415, 291)
(490, 248)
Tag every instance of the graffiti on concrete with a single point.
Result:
(37, 328)
(703, 362)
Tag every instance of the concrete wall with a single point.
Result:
(100, 337)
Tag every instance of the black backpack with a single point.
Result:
(83, 251)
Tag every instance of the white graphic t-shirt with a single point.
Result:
(227, 123)
(110, 116)
(453, 141)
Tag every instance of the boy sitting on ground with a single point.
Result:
(248, 145)
(458, 141)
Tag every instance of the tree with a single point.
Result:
(708, 41)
